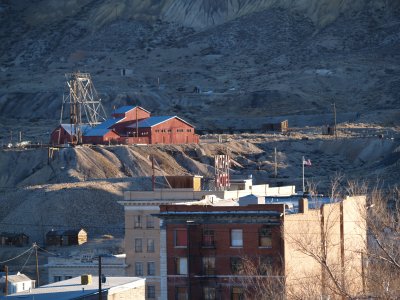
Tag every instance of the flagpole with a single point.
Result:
(302, 163)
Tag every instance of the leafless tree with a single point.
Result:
(260, 279)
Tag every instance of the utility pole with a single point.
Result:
(276, 165)
(100, 296)
(37, 264)
(6, 270)
(302, 164)
(153, 177)
(334, 116)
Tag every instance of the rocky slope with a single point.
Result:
(81, 186)
(251, 59)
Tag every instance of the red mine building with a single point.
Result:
(131, 125)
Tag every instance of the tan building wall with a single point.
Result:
(128, 294)
(336, 234)
(149, 229)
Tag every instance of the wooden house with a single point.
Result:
(74, 237)
(13, 239)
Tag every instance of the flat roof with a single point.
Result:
(73, 289)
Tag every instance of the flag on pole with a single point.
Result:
(307, 162)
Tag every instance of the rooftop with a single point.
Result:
(71, 127)
(125, 109)
(17, 278)
(73, 289)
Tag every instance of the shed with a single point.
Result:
(54, 238)
(13, 239)
(280, 126)
(17, 283)
(74, 237)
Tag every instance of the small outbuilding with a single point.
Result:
(280, 126)
(13, 239)
(17, 283)
(74, 237)
(66, 238)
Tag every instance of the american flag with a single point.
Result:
(307, 162)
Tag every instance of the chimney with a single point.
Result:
(303, 205)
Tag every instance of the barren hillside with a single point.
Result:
(81, 186)
(252, 60)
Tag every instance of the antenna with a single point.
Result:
(85, 106)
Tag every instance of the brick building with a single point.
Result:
(142, 229)
(204, 246)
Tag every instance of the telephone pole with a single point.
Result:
(37, 264)
(334, 116)
(276, 164)
(6, 289)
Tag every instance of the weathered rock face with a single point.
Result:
(196, 13)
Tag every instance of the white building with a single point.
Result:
(75, 288)
(62, 268)
(17, 283)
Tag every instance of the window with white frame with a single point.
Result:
(181, 266)
(151, 268)
(236, 237)
(138, 269)
(137, 221)
(150, 245)
(138, 245)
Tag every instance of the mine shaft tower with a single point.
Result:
(85, 106)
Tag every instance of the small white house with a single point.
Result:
(17, 283)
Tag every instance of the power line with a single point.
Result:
(3, 262)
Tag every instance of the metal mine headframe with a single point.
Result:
(84, 103)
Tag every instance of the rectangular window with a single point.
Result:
(149, 222)
(181, 293)
(208, 238)
(181, 266)
(237, 238)
(150, 245)
(138, 269)
(151, 268)
(209, 265)
(236, 265)
(209, 293)
(57, 278)
(151, 292)
(265, 237)
(137, 221)
(180, 236)
(138, 245)
(237, 293)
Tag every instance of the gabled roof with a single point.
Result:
(97, 132)
(17, 278)
(153, 121)
(70, 128)
(125, 109)
(108, 123)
